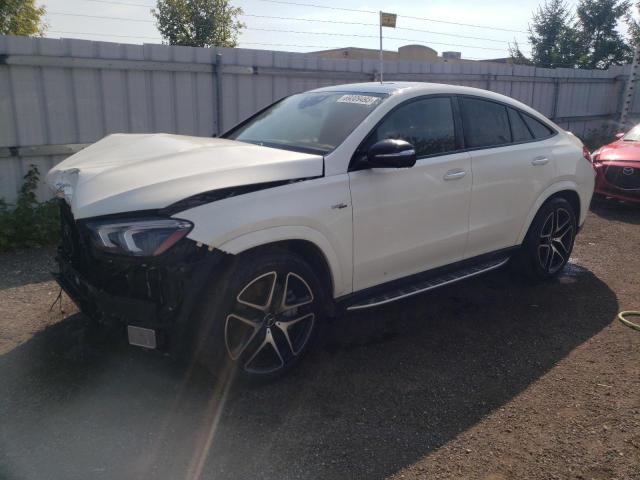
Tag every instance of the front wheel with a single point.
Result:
(549, 241)
(265, 316)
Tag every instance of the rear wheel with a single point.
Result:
(549, 241)
(263, 316)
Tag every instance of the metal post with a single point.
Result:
(627, 100)
(381, 60)
(218, 79)
(556, 96)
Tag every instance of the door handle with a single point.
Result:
(540, 161)
(454, 174)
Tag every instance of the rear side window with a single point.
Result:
(485, 123)
(539, 129)
(519, 130)
(427, 124)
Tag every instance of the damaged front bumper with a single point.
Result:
(151, 300)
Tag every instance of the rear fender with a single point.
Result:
(544, 196)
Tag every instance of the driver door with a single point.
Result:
(410, 220)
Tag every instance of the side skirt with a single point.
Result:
(425, 281)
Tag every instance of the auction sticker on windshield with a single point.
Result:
(359, 99)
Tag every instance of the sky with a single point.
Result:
(130, 21)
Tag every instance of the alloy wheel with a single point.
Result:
(270, 322)
(555, 240)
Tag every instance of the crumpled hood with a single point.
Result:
(130, 172)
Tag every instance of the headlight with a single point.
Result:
(141, 238)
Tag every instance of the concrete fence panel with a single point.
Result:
(58, 95)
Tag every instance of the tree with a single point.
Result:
(602, 43)
(633, 25)
(553, 38)
(198, 23)
(516, 55)
(21, 17)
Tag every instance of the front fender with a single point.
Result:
(297, 211)
(283, 233)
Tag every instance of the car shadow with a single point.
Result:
(611, 209)
(382, 389)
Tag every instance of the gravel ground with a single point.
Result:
(489, 379)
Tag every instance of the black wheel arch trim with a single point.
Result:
(211, 196)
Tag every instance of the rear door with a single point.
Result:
(512, 164)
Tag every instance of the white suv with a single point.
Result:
(345, 197)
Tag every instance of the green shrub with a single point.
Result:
(28, 222)
(606, 133)
(597, 137)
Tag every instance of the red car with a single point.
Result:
(618, 167)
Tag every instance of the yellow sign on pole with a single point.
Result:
(388, 19)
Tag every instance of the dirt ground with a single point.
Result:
(488, 379)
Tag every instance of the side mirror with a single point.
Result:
(619, 135)
(391, 153)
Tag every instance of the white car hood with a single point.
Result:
(130, 172)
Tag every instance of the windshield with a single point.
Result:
(313, 122)
(632, 135)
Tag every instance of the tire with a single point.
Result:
(261, 317)
(549, 241)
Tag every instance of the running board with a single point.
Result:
(430, 284)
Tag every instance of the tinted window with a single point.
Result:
(426, 124)
(538, 129)
(519, 130)
(485, 123)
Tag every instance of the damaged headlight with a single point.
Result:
(142, 238)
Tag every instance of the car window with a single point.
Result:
(519, 130)
(427, 124)
(485, 123)
(539, 129)
(314, 121)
